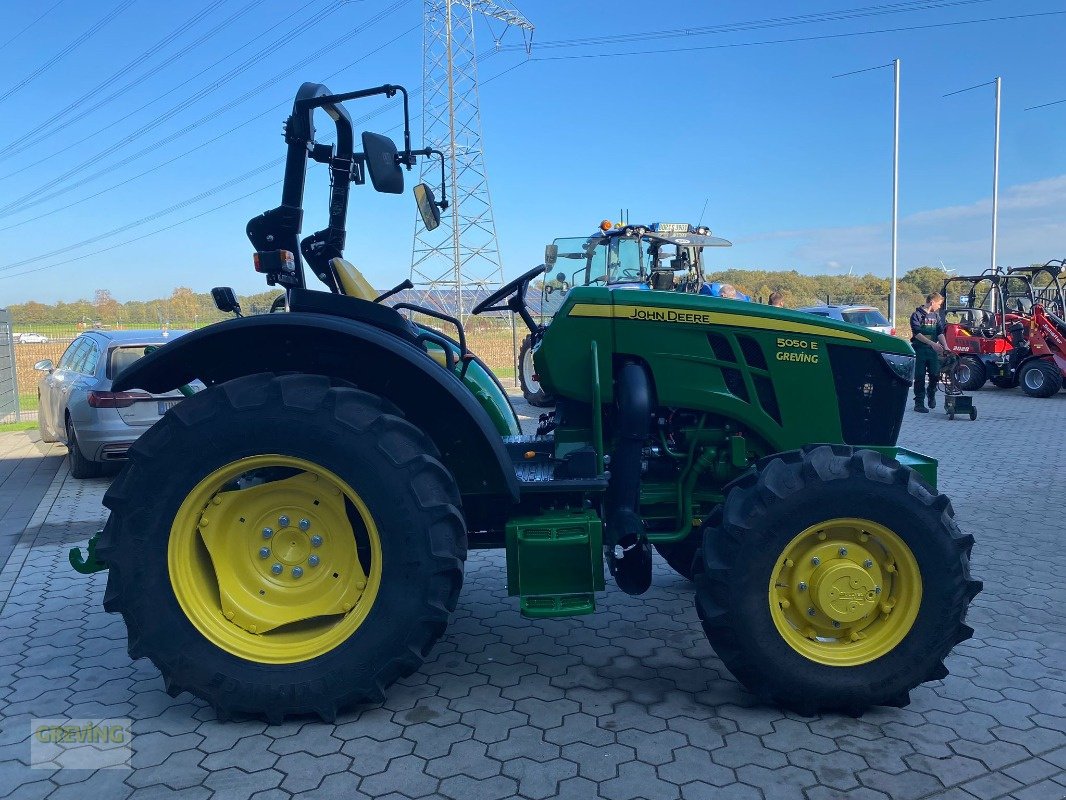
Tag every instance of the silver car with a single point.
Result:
(864, 316)
(78, 408)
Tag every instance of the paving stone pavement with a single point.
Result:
(628, 703)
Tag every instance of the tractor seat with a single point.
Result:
(351, 280)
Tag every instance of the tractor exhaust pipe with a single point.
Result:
(628, 550)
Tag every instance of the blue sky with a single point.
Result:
(795, 166)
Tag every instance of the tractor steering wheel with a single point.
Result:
(515, 294)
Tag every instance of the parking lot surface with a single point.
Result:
(628, 703)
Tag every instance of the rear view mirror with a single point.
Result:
(427, 206)
(382, 164)
(225, 300)
(44, 365)
(551, 254)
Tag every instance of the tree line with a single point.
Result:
(186, 308)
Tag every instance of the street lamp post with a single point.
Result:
(997, 82)
(895, 178)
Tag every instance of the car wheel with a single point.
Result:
(80, 466)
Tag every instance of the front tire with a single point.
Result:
(836, 534)
(532, 391)
(371, 520)
(681, 555)
(970, 374)
(1040, 378)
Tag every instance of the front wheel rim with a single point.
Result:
(276, 570)
(1034, 379)
(845, 592)
(962, 373)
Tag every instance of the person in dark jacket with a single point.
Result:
(927, 339)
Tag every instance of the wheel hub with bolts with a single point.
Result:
(845, 591)
(277, 555)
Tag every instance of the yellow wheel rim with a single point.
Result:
(845, 592)
(266, 562)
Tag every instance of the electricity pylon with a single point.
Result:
(461, 257)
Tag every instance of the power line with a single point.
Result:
(144, 220)
(35, 197)
(1044, 105)
(772, 22)
(143, 236)
(65, 117)
(70, 48)
(205, 143)
(50, 9)
(311, 22)
(126, 242)
(800, 38)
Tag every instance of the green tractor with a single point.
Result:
(663, 256)
(291, 539)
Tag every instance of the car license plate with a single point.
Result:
(166, 405)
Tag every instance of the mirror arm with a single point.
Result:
(442, 204)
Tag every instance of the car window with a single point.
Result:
(87, 362)
(72, 352)
(121, 357)
(819, 313)
(867, 317)
(77, 363)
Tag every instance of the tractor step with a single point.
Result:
(555, 562)
(538, 470)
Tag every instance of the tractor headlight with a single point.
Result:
(902, 366)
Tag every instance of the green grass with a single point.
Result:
(8, 427)
(28, 402)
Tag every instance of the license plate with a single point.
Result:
(166, 405)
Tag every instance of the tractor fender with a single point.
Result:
(430, 396)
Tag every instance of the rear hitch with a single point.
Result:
(89, 563)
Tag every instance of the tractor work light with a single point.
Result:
(275, 262)
(902, 366)
(606, 225)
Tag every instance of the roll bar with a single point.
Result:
(279, 228)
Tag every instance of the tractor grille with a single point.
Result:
(753, 353)
(871, 399)
(721, 347)
(725, 348)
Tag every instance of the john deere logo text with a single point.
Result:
(669, 315)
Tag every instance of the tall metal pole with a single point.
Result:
(895, 178)
(452, 162)
(895, 194)
(995, 181)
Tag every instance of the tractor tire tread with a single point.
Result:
(432, 489)
(787, 477)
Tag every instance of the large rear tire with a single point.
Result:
(532, 390)
(1040, 378)
(280, 546)
(970, 374)
(837, 580)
